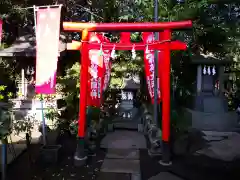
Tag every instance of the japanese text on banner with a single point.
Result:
(148, 37)
(99, 70)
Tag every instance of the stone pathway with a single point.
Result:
(124, 140)
(122, 158)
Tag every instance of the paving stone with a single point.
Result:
(136, 176)
(123, 154)
(213, 138)
(121, 166)
(113, 176)
(165, 176)
(124, 140)
(126, 125)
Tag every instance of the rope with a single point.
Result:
(36, 7)
(134, 45)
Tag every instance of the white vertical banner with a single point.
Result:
(47, 44)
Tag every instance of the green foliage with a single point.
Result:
(3, 94)
(26, 124)
(68, 86)
(6, 118)
(52, 113)
(180, 120)
(92, 118)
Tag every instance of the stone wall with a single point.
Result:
(226, 121)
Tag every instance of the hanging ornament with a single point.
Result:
(209, 70)
(100, 51)
(28, 71)
(134, 55)
(213, 70)
(147, 50)
(124, 96)
(204, 70)
(130, 96)
(113, 55)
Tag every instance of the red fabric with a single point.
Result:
(148, 37)
(97, 70)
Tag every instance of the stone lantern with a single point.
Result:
(210, 107)
(128, 110)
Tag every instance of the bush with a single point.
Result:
(68, 87)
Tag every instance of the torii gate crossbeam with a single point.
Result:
(125, 27)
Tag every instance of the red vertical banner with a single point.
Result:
(1, 24)
(107, 66)
(47, 42)
(148, 37)
(103, 67)
(107, 69)
(98, 71)
(95, 70)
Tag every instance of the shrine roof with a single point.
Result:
(131, 83)
(25, 45)
(209, 59)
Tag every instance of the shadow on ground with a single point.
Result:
(191, 168)
(185, 167)
(32, 168)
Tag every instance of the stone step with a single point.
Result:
(120, 139)
(121, 166)
(123, 154)
(126, 125)
(113, 176)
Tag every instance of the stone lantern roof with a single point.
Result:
(133, 82)
(209, 59)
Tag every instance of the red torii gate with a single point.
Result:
(164, 44)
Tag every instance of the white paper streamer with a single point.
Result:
(204, 70)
